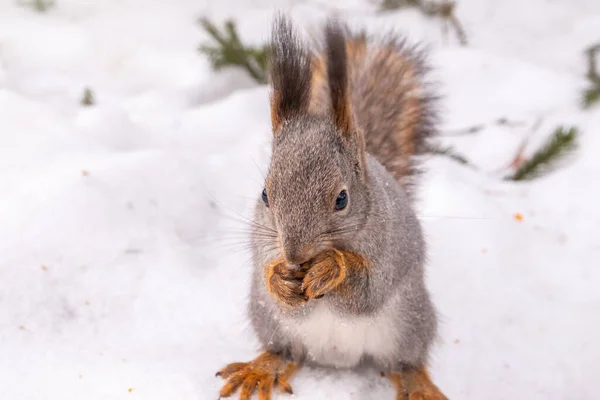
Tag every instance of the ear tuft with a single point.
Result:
(337, 73)
(290, 73)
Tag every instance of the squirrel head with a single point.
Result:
(316, 188)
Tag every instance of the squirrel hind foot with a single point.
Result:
(415, 384)
(260, 375)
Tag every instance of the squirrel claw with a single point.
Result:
(286, 389)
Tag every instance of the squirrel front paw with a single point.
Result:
(285, 283)
(325, 273)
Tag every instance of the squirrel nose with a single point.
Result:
(295, 253)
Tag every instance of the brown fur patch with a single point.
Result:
(275, 111)
(319, 102)
(407, 125)
(356, 47)
(415, 384)
(258, 375)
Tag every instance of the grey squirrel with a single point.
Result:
(338, 251)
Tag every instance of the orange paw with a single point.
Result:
(415, 384)
(262, 374)
(285, 283)
(326, 272)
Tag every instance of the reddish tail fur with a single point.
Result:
(388, 97)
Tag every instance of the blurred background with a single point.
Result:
(132, 139)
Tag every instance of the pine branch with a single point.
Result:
(592, 73)
(479, 127)
(448, 151)
(388, 5)
(519, 158)
(39, 5)
(562, 143)
(231, 51)
(443, 9)
(592, 94)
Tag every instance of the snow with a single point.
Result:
(123, 267)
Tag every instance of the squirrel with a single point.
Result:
(338, 251)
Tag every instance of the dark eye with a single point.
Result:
(265, 198)
(342, 200)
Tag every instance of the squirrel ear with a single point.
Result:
(337, 73)
(290, 73)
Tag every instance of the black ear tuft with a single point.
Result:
(337, 73)
(290, 73)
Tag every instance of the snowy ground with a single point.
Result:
(116, 280)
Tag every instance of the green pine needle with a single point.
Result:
(449, 152)
(591, 96)
(230, 51)
(442, 9)
(547, 158)
(388, 5)
(39, 5)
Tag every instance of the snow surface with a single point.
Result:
(123, 268)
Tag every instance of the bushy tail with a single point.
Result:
(389, 98)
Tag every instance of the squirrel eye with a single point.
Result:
(342, 200)
(265, 198)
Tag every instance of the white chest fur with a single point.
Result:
(341, 342)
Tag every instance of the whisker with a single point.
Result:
(246, 230)
(243, 219)
(259, 170)
(247, 235)
(341, 230)
(452, 217)
(248, 221)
